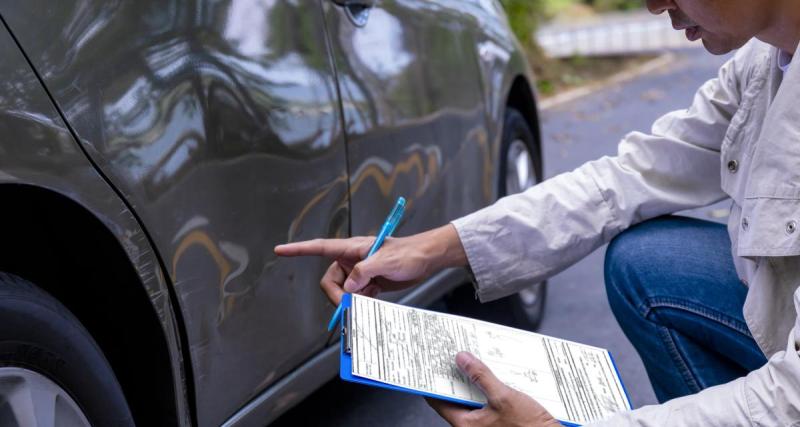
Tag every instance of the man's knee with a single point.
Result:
(635, 258)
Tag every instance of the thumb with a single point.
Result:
(361, 275)
(480, 375)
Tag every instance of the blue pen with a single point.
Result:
(389, 226)
(386, 231)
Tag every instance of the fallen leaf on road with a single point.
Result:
(653, 95)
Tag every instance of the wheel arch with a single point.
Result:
(522, 98)
(62, 247)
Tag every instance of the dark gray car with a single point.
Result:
(153, 152)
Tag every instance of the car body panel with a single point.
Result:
(413, 110)
(37, 150)
(219, 123)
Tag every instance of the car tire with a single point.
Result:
(520, 169)
(50, 367)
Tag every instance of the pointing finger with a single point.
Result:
(330, 248)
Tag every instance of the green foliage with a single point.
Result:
(554, 75)
(545, 86)
(609, 5)
(524, 16)
(554, 7)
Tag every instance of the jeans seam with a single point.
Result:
(678, 359)
(650, 304)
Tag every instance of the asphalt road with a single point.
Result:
(577, 309)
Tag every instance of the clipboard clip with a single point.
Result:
(347, 331)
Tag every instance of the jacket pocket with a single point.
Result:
(740, 140)
(769, 227)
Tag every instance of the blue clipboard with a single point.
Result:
(346, 371)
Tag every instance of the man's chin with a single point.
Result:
(716, 47)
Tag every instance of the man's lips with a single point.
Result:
(682, 23)
(693, 33)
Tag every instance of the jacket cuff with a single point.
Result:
(485, 283)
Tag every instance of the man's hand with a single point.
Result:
(506, 406)
(400, 263)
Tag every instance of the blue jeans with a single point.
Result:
(673, 289)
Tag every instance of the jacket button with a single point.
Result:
(733, 166)
(745, 224)
(791, 226)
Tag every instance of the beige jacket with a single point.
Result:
(740, 139)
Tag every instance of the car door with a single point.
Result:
(219, 123)
(413, 109)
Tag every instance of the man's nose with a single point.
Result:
(657, 7)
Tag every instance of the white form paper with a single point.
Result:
(416, 349)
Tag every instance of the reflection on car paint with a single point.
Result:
(225, 110)
(487, 166)
(379, 46)
(39, 154)
(222, 254)
(399, 104)
(297, 220)
(385, 175)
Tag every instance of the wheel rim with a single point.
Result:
(520, 173)
(520, 176)
(530, 298)
(31, 399)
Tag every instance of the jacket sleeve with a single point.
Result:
(768, 396)
(527, 237)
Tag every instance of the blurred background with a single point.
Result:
(604, 68)
(574, 42)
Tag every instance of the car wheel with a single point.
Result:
(521, 169)
(52, 373)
